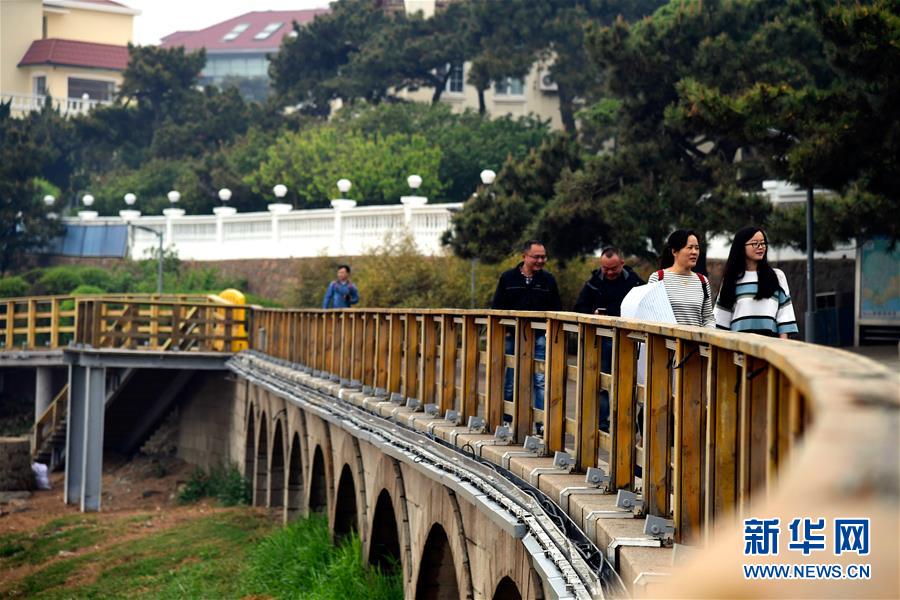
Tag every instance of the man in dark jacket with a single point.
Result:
(602, 295)
(528, 286)
(604, 291)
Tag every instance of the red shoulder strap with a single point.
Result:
(659, 274)
(702, 278)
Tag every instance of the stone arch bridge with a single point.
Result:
(618, 463)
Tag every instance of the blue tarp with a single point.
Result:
(91, 240)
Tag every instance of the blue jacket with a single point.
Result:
(340, 295)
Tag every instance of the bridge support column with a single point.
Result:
(84, 438)
(43, 391)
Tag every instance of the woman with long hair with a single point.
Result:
(688, 292)
(754, 296)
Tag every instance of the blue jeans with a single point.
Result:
(540, 353)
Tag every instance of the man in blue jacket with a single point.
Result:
(341, 292)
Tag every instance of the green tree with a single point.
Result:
(24, 225)
(159, 79)
(311, 161)
(838, 130)
(308, 69)
(494, 221)
(469, 142)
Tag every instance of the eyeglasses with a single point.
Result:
(537, 256)
(755, 244)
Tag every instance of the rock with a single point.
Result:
(6, 497)
(15, 464)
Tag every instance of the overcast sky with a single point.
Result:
(162, 17)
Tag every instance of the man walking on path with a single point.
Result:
(341, 293)
(602, 294)
(527, 286)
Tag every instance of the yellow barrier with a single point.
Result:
(233, 296)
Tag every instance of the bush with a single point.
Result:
(301, 557)
(57, 281)
(225, 484)
(87, 290)
(12, 287)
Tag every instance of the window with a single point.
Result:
(234, 33)
(455, 81)
(39, 85)
(268, 31)
(509, 86)
(96, 90)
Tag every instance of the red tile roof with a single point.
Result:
(211, 37)
(54, 51)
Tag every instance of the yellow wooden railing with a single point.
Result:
(707, 436)
(719, 417)
(51, 322)
(47, 423)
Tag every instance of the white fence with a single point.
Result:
(346, 230)
(25, 103)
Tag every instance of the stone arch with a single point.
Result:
(295, 480)
(384, 548)
(345, 508)
(437, 570)
(318, 485)
(262, 464)
(386, 485)
(250, 446)
(507, 590)
(276, 477)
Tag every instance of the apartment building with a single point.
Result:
(73, 51)
(237, 49)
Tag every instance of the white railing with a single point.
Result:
(345, 231)
(25, 103)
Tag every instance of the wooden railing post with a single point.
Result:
(448, 363)
(588, 414)
(469, 400)
(428, 367)
(524, 379)
(395, 353)
(495, 372)
(656, 440)
(555, 387)
(411, 357)
(688, 446)
(622, 415)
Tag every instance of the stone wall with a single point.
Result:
(206, 421)
(15, 464)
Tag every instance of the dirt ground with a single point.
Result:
(144, 486)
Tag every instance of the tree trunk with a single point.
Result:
(482, 108)
(566, 109)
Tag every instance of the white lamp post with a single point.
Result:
(174, 196)
(279, 206)
(129, 213)
(340, 205)
(224, 211)
(49, 200)
(487, 178)
(412, 201)
(87, 215)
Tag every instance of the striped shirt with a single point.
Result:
(690, 298)
(768, 316)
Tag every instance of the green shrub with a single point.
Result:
(225, 484)
(57, 281)
(301, 557)
(87, 290)
(12, 287)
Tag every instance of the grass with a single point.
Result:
(225, 484)
(228, 554)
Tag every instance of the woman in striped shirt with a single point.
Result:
(754, 297)
(688, 292)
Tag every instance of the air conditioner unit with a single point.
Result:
(546, 83)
